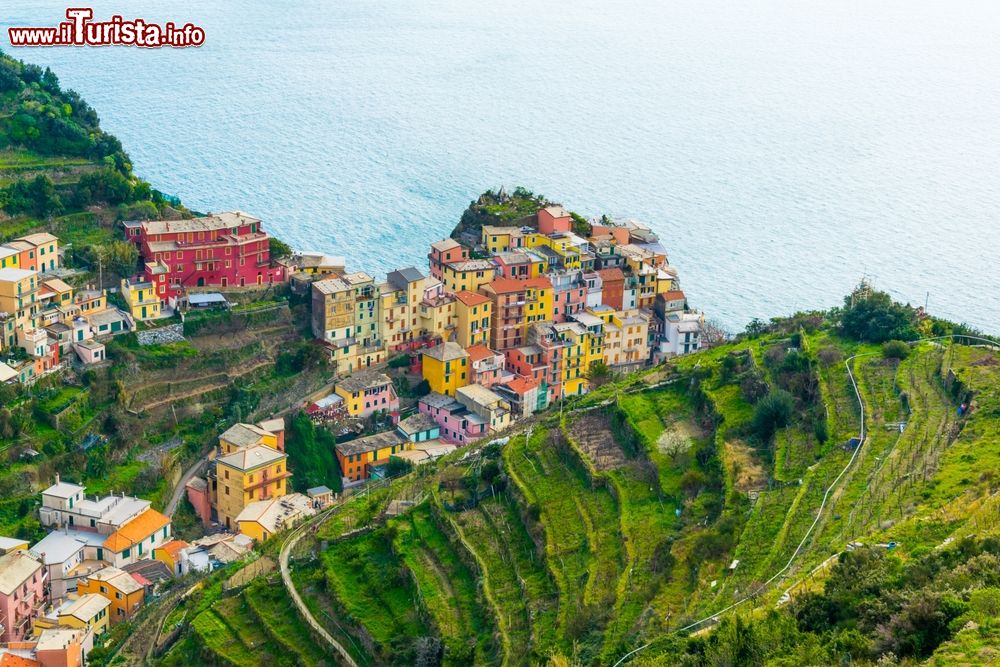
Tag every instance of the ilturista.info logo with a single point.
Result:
(81, 30)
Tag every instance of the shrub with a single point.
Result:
(895, 349)
(774, 411)
(753, 386)
(401, 361)
(874, 317)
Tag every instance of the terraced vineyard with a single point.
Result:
(586, 538)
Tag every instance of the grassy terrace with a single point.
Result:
(447, 587)
(364, 577)
(516, 584)
(582, 542)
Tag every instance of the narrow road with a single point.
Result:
(175, 498)
(286, 578)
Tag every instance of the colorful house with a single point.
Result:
(256, 473)
(137, 538)
(419, 427)
(457, 423)
(443, 252)
(400, 296)
(23, 586)
(42, 251)
(516, 305)
(89, 612)
(467, 275)
(554, 220)
(486, 367)
(143, 303)
(174, 554)
(446, 368)
(501, 239)
(264, 518)
(358, 457)
(226, 250)
(367, 392)
(488, 405)
(472, 314)
(523, 395)
(119, 587)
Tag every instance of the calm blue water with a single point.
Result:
(781, 148)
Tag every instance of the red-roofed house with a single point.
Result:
(444, 252)
(487, 366)
(516, 304)
(523, 395)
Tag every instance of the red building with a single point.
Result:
(225, 250)
(613, 289)
(445, 252)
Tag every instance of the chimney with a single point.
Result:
(57, 478)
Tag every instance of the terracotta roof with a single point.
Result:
(173, 547)
(673, 295)
(12, 660)
(479, 351)
(504, 285)
(611, 274)
(136, 530)
(471, 298)
(521, 385)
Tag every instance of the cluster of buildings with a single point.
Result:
(103, 558)
(499, 330)
(83, 577)
(246, 487)
(43, 316)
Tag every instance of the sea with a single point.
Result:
(783, 150)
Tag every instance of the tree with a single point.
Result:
(774, 411)
(279, 249)
(756, 328)
(599, 374)
(119, 257)
(874, 317)
(895, 349)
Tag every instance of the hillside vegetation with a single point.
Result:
(728, 481)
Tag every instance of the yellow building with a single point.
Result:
(437, 315)
(576, 346)
(472, 319)
(9, 257)
(88, 612)
(470, 275)
(400, 297)
(262, 519)
(332, 310)
(243, 436)
(346, 313)
(356, 457)
(172, 554)
(256, 473)
(501, 239)
(19, 296)
(141, 299)
(366, 392)
(446, 368)
(125, 593)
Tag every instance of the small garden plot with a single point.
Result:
(593, 436)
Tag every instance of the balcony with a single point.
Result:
(267, 479)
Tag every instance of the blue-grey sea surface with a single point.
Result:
(782, 149)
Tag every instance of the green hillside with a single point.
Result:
(616, 526)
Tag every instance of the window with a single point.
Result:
(118, 596)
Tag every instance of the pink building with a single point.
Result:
(487, 365)
(22, 594)
(458, 424)
(445, 252)
(554, 219)
(569, 295)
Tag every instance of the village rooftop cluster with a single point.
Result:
(499, 329)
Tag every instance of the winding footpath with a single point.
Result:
(286, 578)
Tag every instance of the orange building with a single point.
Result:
(118, 586)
